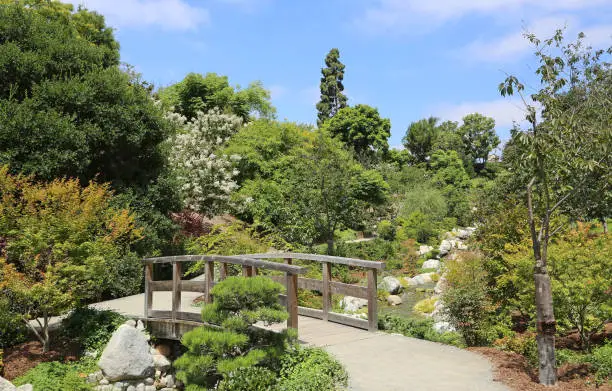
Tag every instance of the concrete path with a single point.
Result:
(374, 361)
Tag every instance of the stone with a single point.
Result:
(163, 349)
(443, 327)
(140, 387)
(422, 279)
(410, 282)
(463, 234)
(161, 362)
(120, 386)
(431, 264)
(131, 387)
(352, 304)
(127, 356)
(140, 326)
(130, 322)
(461, 246)
(440, 286)
(150, 388)
(104, 382)
(149, 381)
(394, 300)
(170, 381)
(6, 385)
(424, 249)
(391, 285)
(105, 387)
(157, 374)
(92, 379)
(445, 247)
(99, 375)
(25, 387)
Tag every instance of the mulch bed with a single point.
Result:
(23, 357)
(513, 370)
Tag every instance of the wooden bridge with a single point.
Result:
(175, 322)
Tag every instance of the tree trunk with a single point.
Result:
(546, 327)
(330, 246)
(604, 223)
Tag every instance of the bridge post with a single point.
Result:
(372, 302)
(209, 275)
(327, 305)
(176, 295)
(148, 302)
(292, 291)
(247, 271)
(222, 271)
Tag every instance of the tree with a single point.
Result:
(362, 129)
(450, 177)
(205, 176)
(64, 245)
(479, 138)
(420, 138)
(556, 153)
(332, 98)
(197, 93)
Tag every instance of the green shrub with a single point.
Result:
(425, 306)
(310, 369)
(601, 359)
(417, 226)
(418, 328)
(249, 379)
(91, 328)
(386, 230)
(523, 344)
(12, 327)
(371, 250)
(58, 376)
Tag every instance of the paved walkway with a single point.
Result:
(375, 361)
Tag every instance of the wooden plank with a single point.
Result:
(321, 258)
(222, 271)
(334, 317)
(336, 288)
(236, 260)
(148, 292)
(186, 286)
(209, 279)
(292, 291)
(160, 314)
(176, 291)
(327, 304)
(372, 301)
(247, 271)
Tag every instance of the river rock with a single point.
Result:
(422, 279)
(445, 247)
(394, 300)
(391, 285)
(424, 249)
(431, 264)
(161, 362)
(127, 356)
(443, 327)
(352, 304)
(6, 385)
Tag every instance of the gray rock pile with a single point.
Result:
(6, 385)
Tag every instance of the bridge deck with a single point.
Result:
(375, 360)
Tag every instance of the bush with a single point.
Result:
(425, 306)
(91, 328)
(523, 344)
(386, 230)
(12, 327)
(310, 369)
(372, 250)
(601, 359)
(418, 328)
(249, 379)
(58, 376)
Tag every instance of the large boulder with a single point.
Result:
(6, 385)
(394, 300)
(421, 279)
(424, 249)
(352, 304)
(431, 264)
(127, 356)
(445, 247)
(391, 285)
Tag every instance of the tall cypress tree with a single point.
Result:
(332, 98)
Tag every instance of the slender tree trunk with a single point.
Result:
(604, 223)
(330, 246)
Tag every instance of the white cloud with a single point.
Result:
(398, 16)
(277, 91)
(504, 111)
(168, 14)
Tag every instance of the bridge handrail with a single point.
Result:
(235, 260)
(322, 259)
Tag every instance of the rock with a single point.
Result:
(130, 322)
(163, 349)
(120, 386)
(461, 246)
(422, 279)
(149, 381)
(6, 385)
(431, 264)
(352, 304)
(106, 387)
(443, 327)
(391, 285)
(150, 388)
(410, 281)
(140, 387)
(140, 326)
(161, 362)
(424, 249)
(131, 388)
(170, 381)
(463, 234)
(445, 247)
(92, 379)
(440, 286)
(25, 387)
(394, 300)
(127, 356)
(104, 382)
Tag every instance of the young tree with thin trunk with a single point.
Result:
(332, 98)
(560, 147)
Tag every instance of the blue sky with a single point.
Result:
(409, 58)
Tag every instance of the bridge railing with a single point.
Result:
(178, 320)
(327, 287)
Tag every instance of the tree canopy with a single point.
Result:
(332, 98)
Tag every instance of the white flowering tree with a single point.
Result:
(206, 177)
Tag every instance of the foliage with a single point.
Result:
(204, 177)
(417, 226)
(64, 245)
(466, 303)
(373, 250)
(215, 354)
(386, 230)
(58, 376)
(12, 328)
(478, 135)
(362, 130)
(426, 306)
(91, 328)
(601, 359)
(249, 379)
(332, 98)
(450, 177)
(418, 328)
(310, 369)
(426, 200)
(420, 138)
(197, 93)
(523, 344)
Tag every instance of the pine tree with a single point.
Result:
(332, 98)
